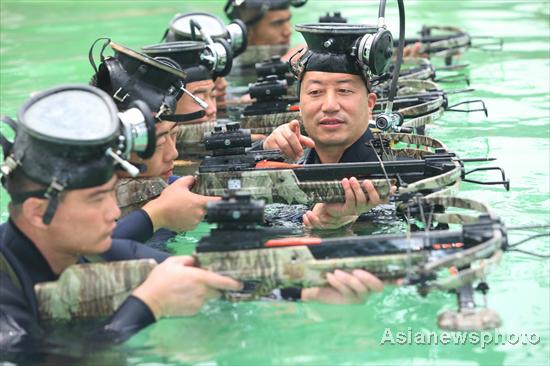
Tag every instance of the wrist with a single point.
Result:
(309, 294)
(143, 293)
(154, 213)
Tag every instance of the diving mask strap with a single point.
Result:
(101, 57)
(4, 142)
(182, 118)
(52, 194)
(132, 79)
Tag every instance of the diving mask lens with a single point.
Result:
(182, 25)
(52, 117)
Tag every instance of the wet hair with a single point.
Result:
(16, 183)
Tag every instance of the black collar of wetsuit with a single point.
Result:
(34, 263)
(358, 152)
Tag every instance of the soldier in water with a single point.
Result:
(336, 106)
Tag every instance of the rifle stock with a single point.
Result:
(279, 186)
(269, 269)
(91, 290)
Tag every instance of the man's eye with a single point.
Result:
(161, 140)
(314, 92)
(345, 91)
(98, 197)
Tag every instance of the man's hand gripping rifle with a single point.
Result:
(424, 165)
(240, 249)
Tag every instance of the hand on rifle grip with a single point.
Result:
(359, 198)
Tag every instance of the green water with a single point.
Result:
(45, 43)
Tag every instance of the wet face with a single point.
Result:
(85, 219)
(205, 90)
(335, 108)
(161, 163)
(273, 29)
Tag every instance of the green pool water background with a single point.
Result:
(45, 43)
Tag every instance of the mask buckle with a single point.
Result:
(9, 165)
(54, 189)
(52, 194)
(117, 97)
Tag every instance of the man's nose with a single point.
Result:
(171, 153)
(113, 211)
(287, 29)
(330, 102)
(212, 108)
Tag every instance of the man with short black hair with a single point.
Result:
(268, 26)
(336, 106)
(59, 173)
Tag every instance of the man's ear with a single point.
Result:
(33, 210)
(371, 100)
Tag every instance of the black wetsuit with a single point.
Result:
(137, 226)
(22, 266)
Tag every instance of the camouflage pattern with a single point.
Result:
(458, 202)
(282, 185)
(277, 186)
(418, 140)
(90, 290)
(450, 47)
(422, 108)
(189, 140)
(458, 42)
(412, 69)
(186, 167)
(295, 266)
(265, 124)
(424, 120)
(421, 114)
(415, 86)
(190, 136)
(469, 320)
(133, 193)
(478, 271)
(423, 68)
(436, 182)
(451, 190)
(255, 54)
(421, 142)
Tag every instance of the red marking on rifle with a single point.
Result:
(294, 108)
(290, 242)
(453, 271)
(448, 245)
(268, 164)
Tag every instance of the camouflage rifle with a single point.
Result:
(265, 263)
(423, 165)
(91, 290)
(419, 109)
(446, 42)
(418, 68)
(266, 258)
(133, 193)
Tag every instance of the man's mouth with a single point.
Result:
(167, 173)
(331, 121)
